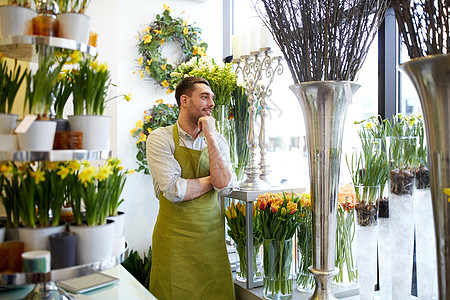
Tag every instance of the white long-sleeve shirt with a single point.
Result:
(165, 170)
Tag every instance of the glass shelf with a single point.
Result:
(55, 155)
(12, 280)
(23, 47)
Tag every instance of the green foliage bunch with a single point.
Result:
(139, 267)
(90, 82)
(10, 81)
(74, 6)
(40, 86)
(167, 28)
(160, 115)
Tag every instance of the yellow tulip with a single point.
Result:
(447, 191)
(242, 210)
(228, 214)
(233, 214)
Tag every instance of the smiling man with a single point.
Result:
(189, 163)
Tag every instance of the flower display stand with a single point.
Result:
(249, 197)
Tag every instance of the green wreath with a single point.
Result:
(165, 29)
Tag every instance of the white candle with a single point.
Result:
(236, 41)
(266, 39)
(245, 43)
(254, 37)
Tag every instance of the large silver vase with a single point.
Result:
(324, 105)
(431, 78)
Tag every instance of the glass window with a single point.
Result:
(285, 128)
(409, 103)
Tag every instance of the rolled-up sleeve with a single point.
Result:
(164, 168)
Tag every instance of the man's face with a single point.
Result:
(200, 103)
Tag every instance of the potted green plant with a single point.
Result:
(41, 196)
(90, 85)
(93, 190)
(40, 135)
(117, 182)
(16, 18)
(10, 81)
(73, 22)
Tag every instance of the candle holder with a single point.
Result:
(254, 68)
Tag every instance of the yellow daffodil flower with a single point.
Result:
(132, 131)
(104, 172)
(185, 23)
(130, 171)
(75, 57)
(160, 101)
(149, 130)
(161, 41)
(139, 124)
(141, 74)
(127, 97)
(148, 70)
(166, 7)
(140, 60)
(87, 175)
(147, 118)
(73, 166)
(149, 62)
(63, 172)
(146, 30)
(164, 67)
(157, 31)
(165, 83)
(142, 137)
(185, 30)
(51, 165)
(169, 91)
(39, 176)
(6, 169)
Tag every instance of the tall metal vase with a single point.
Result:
(324, 105)
(431, 78)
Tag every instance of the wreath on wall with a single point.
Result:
(166, 28)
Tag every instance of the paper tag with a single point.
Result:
(25, 124)
(348, 93)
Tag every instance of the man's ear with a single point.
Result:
(184, 100)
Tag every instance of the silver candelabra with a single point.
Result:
(257, 70)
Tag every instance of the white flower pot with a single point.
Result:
(95, 130)
(16, 20)
(38, 238)
(95, 243)
(39, 136)
(7, 122)
(74, 26)
(118, 221)
(9, 142)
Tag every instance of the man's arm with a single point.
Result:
(219, 171)
(166, 170)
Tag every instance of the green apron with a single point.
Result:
(189, 255)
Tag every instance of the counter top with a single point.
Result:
(127, 288)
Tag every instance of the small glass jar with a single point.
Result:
(45, 23)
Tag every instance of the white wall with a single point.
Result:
(117, 23)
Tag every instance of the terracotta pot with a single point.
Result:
(68, 140)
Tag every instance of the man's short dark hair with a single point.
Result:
(186, 86)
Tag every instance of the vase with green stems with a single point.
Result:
(305, 279)
(236, 221)
(240, 122)
(345, 237)
(278, 214)
(367, 169)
